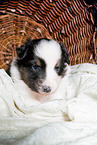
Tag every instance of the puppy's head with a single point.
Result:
(42, 64)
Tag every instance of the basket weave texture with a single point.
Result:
(72, 22)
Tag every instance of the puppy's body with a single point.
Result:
(39, 70)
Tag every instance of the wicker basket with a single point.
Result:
(71, 21)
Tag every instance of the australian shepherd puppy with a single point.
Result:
(39, 69)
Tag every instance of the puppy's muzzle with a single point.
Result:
(46, 89)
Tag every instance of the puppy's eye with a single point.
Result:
(35, 67)
(57, 69)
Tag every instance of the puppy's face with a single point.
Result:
(42, 64)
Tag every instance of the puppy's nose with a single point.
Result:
(46, 89)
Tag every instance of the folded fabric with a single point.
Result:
(71, 120)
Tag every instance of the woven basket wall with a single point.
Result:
(72, 22)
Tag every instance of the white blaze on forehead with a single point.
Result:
(49, 51)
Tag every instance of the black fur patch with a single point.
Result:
(64, 60)
(32, 74)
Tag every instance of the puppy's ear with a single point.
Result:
(22, 50)
(65, 54)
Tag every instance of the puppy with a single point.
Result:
(39, 69)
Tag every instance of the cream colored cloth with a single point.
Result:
(68, 121)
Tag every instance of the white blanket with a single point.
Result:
(68, 121)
